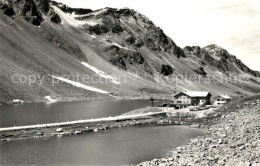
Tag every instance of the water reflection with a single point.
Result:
(38, 113)
(114, 147)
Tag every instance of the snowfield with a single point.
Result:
(70, 19)
(118, 45)
(18, 101)
(80, 85)
(50, 99)
(100, 73)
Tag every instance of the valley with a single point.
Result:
(94, 86)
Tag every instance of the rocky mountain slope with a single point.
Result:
(122, 52)
(220, 58)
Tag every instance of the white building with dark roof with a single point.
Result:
(193, 98)
(222, 99)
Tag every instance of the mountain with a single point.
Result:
(105, 53)
(220, 58)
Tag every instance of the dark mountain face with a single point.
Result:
(121, 21)
(220, 58)
(47, 38)
(31, 10)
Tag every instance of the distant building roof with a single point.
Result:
(195, 93)
(224, 96)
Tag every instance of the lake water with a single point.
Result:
(114, 147)
(39, 113)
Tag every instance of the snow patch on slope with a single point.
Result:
(120, 46)
(50, 99)
(220, 73)
(17, 101)
(100, 73)
(96, 12)
(80, 85)
(70, 19)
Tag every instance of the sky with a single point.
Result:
(232, 24)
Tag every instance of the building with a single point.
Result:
(222, 99)
(192, 98)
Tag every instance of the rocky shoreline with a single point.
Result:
(235, 140)
(50, 130)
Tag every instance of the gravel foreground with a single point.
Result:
(234, 141)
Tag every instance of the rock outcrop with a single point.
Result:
(140, 31)
(31, 10)
(220, 58)
(201, 71)
(166, 70)
(124, 59)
